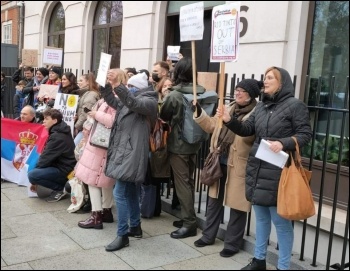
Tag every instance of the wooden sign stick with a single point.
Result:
(194, 71)
(221, 89)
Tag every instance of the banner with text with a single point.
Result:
(52, 56)
(192, 22)
(225, 33)
(67, 104)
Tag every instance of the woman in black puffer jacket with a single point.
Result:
(276, 119)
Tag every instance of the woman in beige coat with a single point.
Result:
(230, 189)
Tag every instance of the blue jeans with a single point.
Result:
(284, 230)
(49, 177)
(127, 198)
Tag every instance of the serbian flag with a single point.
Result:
(21, 146)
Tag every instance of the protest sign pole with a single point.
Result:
(221, 89)
(194, 71)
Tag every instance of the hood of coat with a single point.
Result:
(287, 89)
(188, 89)
(148, 91)
(61, 128)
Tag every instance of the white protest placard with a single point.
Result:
(52, 56)
(30, 57)
(225, 33)
(105, 61)
(48, 91)
(173, 52)
(192, 22)
(67, 104)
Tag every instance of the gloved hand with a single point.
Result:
(198, 108)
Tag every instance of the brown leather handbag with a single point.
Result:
(211, 171)
(295, 201)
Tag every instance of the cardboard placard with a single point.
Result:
(48, 91)
(208, 80)
(30, 57)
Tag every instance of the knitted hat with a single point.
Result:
(145, 71)
(56, 70)
(252, 86)
(44, 71)
(139, 80)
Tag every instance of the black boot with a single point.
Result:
(107, 216)
(118, 243)
(135, 231)
(255, 264)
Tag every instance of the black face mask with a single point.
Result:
(155, 77)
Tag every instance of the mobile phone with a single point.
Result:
(86, 110)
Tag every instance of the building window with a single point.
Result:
(329, 59)
(57, 27)
(7, 32)
(107, 32)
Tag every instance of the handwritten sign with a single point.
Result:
(105, 61)
(48, 91)
(67, 104)
(30, 57)
(225, 33)
(191, 22)
(52, 56)
(173, 52)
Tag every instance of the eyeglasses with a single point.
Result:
(240, 90)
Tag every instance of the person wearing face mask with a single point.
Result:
(127, 154)
(234, 152)
(276, 119)
(160, 70)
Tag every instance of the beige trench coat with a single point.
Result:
(236, 163)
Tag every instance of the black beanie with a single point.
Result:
(56, 70)
(44, 71)
(252, 86)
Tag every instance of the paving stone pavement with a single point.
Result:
(40, 235)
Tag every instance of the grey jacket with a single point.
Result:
(277, 118)
(127, 155)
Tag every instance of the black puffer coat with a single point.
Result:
(277, 118)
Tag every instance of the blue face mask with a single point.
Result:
(133, 89)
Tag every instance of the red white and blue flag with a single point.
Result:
(21, 146)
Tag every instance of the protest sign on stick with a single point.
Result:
(191, 29)
(105, 62)
(224, 41)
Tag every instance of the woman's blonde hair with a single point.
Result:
(276, 73)
(121, 76)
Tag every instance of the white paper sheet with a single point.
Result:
(264, 153)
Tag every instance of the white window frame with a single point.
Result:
(7, 32)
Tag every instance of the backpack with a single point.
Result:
(191, 132)
(158, 137)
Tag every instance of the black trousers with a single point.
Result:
(236, 224)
